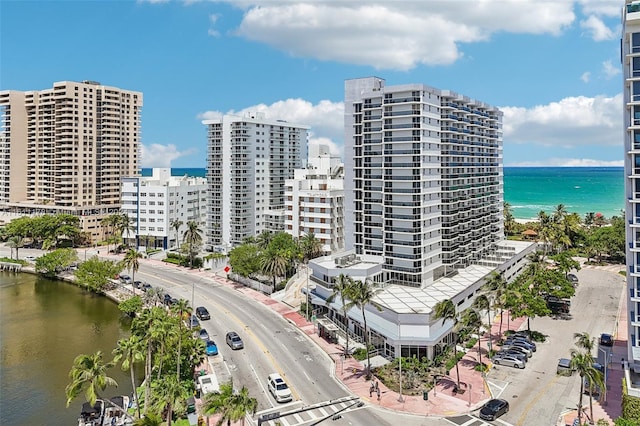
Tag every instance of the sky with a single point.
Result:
(553, 67)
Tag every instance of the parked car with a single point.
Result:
(606, 340)
(193, 322)
(522, 349)
(203, 334)
(146, 286)
(521, 335)
(573, 278)
(212, 348)
(521, 343)
(564, 367)
(234, 341)
(30, 258)
(494, 409)
(278, 388)
(510, 360)
(126, 279)
(167, 299)
(137, 284)
(522, 357)
(530, 344)
(202, 313)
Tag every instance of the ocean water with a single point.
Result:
(581, 189)
(532, 189)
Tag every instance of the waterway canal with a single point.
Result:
(44, 325)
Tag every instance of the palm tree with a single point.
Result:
(583, 363)
(142, 326)
(509, 221)
(446, 310)
(274, 264)
(343, 286)
(89, 371)
(310, 246)
(110, 222)
(497, 285)
(219, 403)
(168, 393)
(363, 294)
(149, 419)
(584, 341)
(15, 242)
(124, 225)
(241, 404)
(471, 320)
(175, 225)
(263, 239)
(193, 238)
(181, 308)
(232, 406)
(130, 351)
(131, 262)
(482, 303)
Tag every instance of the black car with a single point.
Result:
(167, 298)
(494, 409)
(606, 340)
(202, 313)
(146, 286)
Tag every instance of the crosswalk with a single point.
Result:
(470, 420)
(299, 414)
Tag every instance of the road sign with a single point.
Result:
(227, 269)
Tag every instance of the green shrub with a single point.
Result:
(630, 404)
(471, 343)
(360, 354)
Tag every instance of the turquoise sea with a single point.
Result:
(532, 189)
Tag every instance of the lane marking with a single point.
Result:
(261, 385)
(539, 395)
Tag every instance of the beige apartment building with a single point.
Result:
(65, 150)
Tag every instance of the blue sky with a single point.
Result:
(553, 66)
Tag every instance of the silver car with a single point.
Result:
(509, 360)
(519, 348)
(234, 341)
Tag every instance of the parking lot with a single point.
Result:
(537, 395)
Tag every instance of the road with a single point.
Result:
(271, 344)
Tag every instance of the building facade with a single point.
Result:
(423, 213)
(314, 200)
(249, 159)
(65, 149)
(160, 206)
(423, 178)
(631, 115)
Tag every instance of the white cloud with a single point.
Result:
(569, 123)
(610, 70)
(596, 29)
(157, 155)
(609, 8)
(326, 118)
(213, 19)
(394, 35)
(585, 76)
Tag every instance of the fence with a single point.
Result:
(248, 282)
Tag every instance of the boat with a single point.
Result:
(106, 412)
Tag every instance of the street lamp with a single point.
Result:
(607, 358)
(400, 398)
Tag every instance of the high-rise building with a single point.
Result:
(631, 115)
(160, 206)
(314, 199)
(65, 149)
(249, 158)
(423, 214)
(423, 178)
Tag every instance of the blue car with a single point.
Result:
(212, 348)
